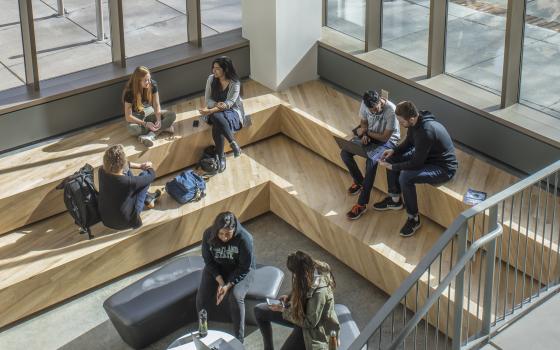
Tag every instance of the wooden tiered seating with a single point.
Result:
(47, 262)
(28, 179)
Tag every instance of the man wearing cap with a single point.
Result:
(378, 132)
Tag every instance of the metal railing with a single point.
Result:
(492, 262)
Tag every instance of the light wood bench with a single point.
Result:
(52, 263)
(28, 179)
(47, 262)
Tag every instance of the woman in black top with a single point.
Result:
(142, 110)
(227, 249)
(224, 107)
(122, 196)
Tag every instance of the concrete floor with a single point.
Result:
(537, 330)
(82, 324)
(475, 43)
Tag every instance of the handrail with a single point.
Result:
(460, 266)
(457, 228)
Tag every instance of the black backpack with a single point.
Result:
(209, 162)
(80, 198)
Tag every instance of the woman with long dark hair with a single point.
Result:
(224, 106)
(309, 309)
(227, 249)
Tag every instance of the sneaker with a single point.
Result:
(151, 198)
(235, 148)
(410, 227)
(354, 189)
(388, 204)
(356, 211)
(148, 139)
(222, 165)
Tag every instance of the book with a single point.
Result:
(473, 197)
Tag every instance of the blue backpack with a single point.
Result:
(186, 187)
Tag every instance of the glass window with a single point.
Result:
(475, 42)
(151, 25)
(348, 17)
(220, 16)
(540, 78)
(12, 70)
(68, 43)
(406, 28)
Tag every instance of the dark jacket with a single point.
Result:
(232, 260)
(117, 198)
(320, 316)
(432, 145)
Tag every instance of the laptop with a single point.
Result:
(350, 146)
(219, 344)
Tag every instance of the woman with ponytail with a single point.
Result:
(309, 309)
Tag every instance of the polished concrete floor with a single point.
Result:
(82, 324)
(537, 330)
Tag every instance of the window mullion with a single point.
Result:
(194, 23)
(29, 44)
(374, 24)
(513, 52)
(437, 37)
(117, 32)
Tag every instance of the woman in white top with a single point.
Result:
(224, 107)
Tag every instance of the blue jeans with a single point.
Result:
(374, 152)
(405, 181)
(140, 194)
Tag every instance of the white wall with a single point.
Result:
(283, 36)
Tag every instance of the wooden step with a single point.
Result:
(308, 114)
(49, 262)
(317, 111)
(28, 179)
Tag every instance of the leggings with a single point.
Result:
(220, 129)
(206, 298)
(265, 317)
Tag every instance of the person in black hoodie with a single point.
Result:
(227, 249)
(426, 155)
(123, 196)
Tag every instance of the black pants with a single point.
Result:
(220, 129)
(265, 317)
(206, 299)
(375, 151)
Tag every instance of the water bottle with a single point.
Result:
(333, 341)
(202, 323)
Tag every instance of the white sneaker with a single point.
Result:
(148, 139)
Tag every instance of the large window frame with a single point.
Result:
(513, 52)
(32, 78)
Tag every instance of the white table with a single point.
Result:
(185, 342)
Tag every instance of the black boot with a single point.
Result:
(235, 148)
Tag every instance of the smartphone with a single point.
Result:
(195, 123)
(274, 302)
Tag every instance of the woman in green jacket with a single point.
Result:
(309, 308)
